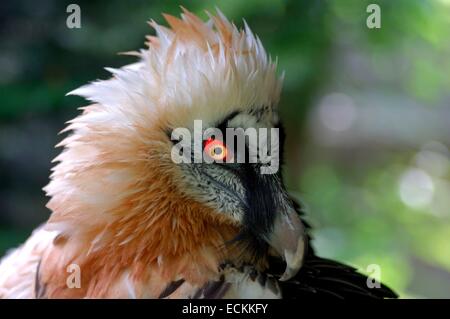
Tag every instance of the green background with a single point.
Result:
(366, 111)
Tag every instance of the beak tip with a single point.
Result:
(294, 261)
(289, 240)
(288, 274)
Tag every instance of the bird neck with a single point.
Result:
(181, 240)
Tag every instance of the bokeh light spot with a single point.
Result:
(337, 112)
(416, 188)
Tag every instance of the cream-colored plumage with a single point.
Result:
(120, 207)
(18, 268)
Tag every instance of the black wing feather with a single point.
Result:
(321, 277)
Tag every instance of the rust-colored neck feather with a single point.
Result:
(117, 204)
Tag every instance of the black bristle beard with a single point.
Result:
(259, 216)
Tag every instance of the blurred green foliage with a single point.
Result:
(351, 190)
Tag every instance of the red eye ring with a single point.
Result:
(215, 149)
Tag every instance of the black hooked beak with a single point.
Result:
(272, 218)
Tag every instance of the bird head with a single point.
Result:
(117, 176)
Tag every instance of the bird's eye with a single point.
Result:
(215, 149)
